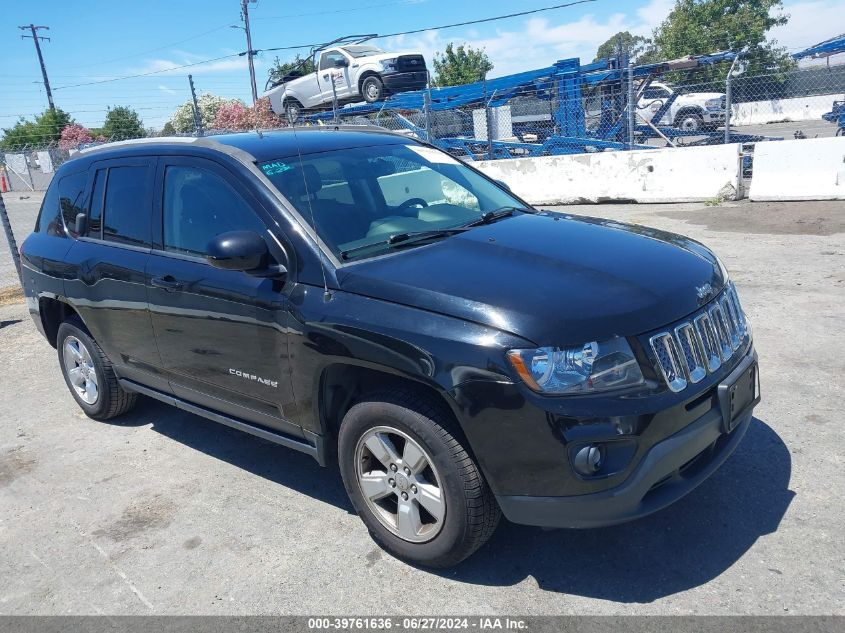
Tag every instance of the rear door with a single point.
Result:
(106, 273)
(222, 333)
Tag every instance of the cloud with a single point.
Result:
(810, 22)
(540, 41)
(180, 58)
(167, 90)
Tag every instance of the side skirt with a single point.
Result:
(317, 450)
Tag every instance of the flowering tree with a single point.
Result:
(209, 104)
(237, 116)
(75, 135)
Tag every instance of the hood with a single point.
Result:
(549, 278)
(700, 96)
(383, 56)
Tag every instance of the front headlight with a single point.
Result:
(388, 64)
(713, 104)
(587, 368)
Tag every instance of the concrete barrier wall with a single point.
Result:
(688, 174)
(811, 169)
(774, 110)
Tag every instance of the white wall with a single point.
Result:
(686, 174)
(796, 109)
(811, 169)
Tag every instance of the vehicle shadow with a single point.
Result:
(275, 463)
(683, 546)
(680, 547)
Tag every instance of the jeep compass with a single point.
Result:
(373, 302)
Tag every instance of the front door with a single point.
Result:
(329, 73)
(221, 333)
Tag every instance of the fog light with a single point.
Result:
(588, 460)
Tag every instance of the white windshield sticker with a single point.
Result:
(432, 155)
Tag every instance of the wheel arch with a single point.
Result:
(342, 385)
(53, 312)
(363, 77)
(689, 109)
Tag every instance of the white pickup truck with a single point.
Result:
(690, 112)
(358, 72)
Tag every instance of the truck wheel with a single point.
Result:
(293, 110)
(689, 121)
(412, 482)
(89, 374)
(372, 88)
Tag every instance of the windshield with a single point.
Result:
(362, 50)
(359, 196)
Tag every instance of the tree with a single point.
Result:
(183, 119)
(461, 65)
(696, 27)
(168, 129)
(122, 123)
(623, 44)
(298, 65)
(237, 116)
(45, 129)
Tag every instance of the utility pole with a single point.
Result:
(249, 52)
(35, 38)
(197, 115)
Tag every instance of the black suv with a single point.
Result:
(366, 298)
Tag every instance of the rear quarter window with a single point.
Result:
(49, 220)
(72, 199)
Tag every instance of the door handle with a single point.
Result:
(167, 282)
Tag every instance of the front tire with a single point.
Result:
(89, 374)
(412, 481)
(372, 88)
(293, 110)
(689, 122)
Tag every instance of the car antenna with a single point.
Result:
(327, 296)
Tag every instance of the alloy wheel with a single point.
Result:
(80, 370)
(400, 484)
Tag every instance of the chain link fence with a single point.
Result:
(567, 108)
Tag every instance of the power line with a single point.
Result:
(152, 50)
(152, 72)
(448, 26)
(332, 12)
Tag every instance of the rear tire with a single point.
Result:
(438, 511)
(372, 89)
(89, 374)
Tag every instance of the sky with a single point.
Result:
(98, 40)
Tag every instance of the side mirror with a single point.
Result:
(341, 63)
(237, 250)
(503, 185)
(81, 224)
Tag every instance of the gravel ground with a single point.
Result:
(164, 512)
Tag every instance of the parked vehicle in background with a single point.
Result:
(347, 72)
(690, 111)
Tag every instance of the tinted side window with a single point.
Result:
(72, 198)
(327, 60)
(126, 215)
(95, 215)
(199, 205)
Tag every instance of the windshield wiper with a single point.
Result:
(491, 216)
(409, 237)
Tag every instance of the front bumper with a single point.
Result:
(669, 470)
(404, 81)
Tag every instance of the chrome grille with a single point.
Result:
(702, 344)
